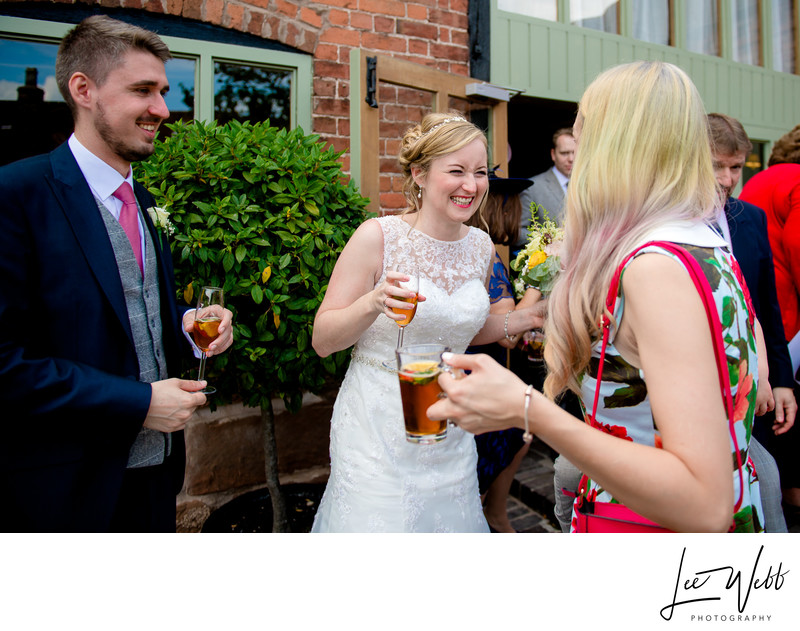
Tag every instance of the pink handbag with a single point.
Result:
(594, 516)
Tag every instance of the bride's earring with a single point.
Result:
(419, 193)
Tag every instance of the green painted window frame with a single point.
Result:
(204, 53)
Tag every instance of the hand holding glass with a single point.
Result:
(411, 284)
(418, 369)
(533, 342)
(207, 319)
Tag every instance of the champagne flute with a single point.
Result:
(207, 319)
(412, 271)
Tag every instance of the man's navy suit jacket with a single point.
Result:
(72, 402)
(748, 227)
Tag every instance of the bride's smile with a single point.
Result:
(452, 190)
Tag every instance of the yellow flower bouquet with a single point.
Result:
(538, 263)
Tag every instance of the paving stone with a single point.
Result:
(532, 497)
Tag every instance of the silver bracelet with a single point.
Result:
(505, 327)
(527, 436)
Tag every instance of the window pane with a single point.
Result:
(542, 9)
(784, 36)
(33, 116)
(702, 26)
(745, 32)
(254, 93)
(754, 162)
(600, 15)
(180, 98)
(651, 21)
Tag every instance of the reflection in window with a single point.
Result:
(255, 93)
(702, 26)
(33, 116)
(601, 15)
(651, 21)
(542, 9)
(784, 36)
(180, 98)
(754, 162)
(745, 32)
(35, 119)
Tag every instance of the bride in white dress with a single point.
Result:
(379, 482)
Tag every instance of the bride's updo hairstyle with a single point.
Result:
(642, 160)
(439, 134)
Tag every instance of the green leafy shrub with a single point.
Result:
(262, 212)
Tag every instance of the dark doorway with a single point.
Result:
(531, 124)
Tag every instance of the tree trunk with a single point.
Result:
(280, 523)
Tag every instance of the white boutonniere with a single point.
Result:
(160, 219)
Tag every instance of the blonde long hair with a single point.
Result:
(643, 160)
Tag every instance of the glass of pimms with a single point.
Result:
(207, 318)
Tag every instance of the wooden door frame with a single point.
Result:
(365, 120)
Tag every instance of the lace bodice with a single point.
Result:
(453, 280)
(379, 482)
(447, 264)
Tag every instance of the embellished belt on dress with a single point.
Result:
(372, 362)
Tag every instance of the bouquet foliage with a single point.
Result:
(538, 263)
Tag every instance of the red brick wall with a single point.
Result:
(430, 32)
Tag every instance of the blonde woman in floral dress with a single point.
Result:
(642, 173)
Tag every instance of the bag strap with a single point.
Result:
(704, 289)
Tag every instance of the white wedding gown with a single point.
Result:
(379, 482)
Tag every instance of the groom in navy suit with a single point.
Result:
(90, 326)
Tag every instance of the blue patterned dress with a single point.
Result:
(496, 450)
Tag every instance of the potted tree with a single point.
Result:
(262, 212)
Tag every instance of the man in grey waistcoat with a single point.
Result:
(91, 330)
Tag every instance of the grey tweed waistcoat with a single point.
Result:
(144, 313)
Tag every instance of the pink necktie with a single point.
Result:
(129, 220)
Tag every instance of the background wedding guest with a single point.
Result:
(745, 229)
(87, 304)
(744, 226)
(776, 190)
(499, 453)
(378, 480)
(549, 187)
(660, 442)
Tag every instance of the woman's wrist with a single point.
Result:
(527, 437)
(380, 300)
(510, 338)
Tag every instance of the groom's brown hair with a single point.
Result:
(96, 46)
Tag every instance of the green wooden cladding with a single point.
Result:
(557, 61)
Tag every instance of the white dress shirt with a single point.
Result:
(103, 179)
(562, 179)
(722, 222)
